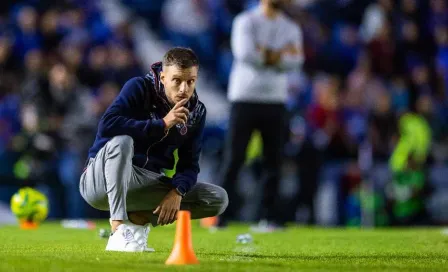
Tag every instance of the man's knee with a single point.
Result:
(223, 200)
(122, 144)
(219, 199)
(98, 202)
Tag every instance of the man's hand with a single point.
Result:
(273, 57)
(168, 208)
(177, 115)
(270, 57)
(290, 49)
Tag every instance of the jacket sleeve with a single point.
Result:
(117, 120)
(291, 61)
(187, 168)
(243, 44)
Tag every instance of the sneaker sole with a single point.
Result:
(123, 250)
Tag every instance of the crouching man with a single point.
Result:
(154, 124)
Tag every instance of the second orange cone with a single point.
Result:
(183, 252)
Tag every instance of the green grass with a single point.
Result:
(52, 248)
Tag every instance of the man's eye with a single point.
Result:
(177, 81)
(191, 81)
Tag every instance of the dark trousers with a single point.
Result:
(269, 119)
(309, 164)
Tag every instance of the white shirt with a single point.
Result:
(250, 79)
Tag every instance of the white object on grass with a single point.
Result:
(123, 240)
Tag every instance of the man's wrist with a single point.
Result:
(180, 191)
(165, 125)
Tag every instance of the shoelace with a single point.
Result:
(128, 236)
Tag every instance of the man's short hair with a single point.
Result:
(181, 57)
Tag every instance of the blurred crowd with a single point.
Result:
(372, 91)
(368, 63)
(61, 65)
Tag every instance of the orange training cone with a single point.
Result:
(209, 222)
(28, 225)
(183, 247)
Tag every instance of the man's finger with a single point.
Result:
(180, 103)
(157, 210)
(182, 117)
(167, 217)
(179, 120)
(161, 216)
(183, 110)
(174, 217)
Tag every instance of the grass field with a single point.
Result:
(52, 248)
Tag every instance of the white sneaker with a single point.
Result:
(123, 240)
(140, 234)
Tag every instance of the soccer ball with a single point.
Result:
(29, 205)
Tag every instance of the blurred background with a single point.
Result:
(368, 133)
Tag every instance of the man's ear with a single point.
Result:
(162, 77)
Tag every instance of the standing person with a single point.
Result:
(266, 45)
(56, 110)
(153, 120)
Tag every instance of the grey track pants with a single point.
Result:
(112, 183)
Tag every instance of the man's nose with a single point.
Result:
(183, 87)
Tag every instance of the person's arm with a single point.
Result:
(117, 120)
(244, 47)
(292, 55)
(187, 168)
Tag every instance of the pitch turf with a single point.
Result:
(52, 248)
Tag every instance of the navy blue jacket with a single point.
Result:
(137, 112)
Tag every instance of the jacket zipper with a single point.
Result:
(147, 150)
